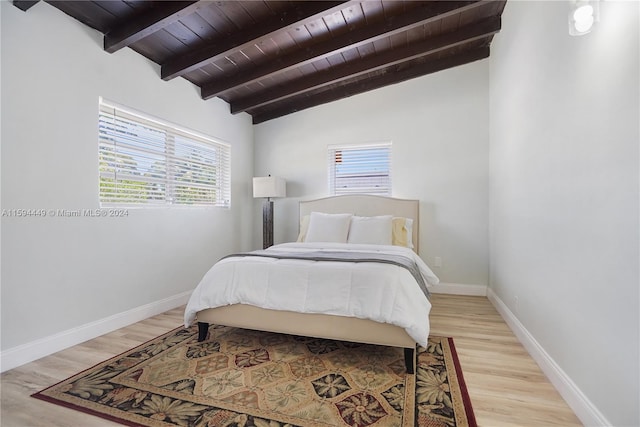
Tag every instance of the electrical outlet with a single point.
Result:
(437, 262)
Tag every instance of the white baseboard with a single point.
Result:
(584, 409)
(459, 289)
(34, 350)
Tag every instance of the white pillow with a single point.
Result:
(373, 230)
(324, 227)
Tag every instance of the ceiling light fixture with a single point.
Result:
(582, 15)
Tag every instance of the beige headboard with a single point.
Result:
(366, 205)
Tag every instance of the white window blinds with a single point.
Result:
(144, 161)
(363, 169)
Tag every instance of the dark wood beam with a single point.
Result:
(483, 29)
(24, 5)
(349, 89)
(302, 13)
(161, 15)
(428, 12)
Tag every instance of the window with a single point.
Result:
(364, 169)
(147, 162)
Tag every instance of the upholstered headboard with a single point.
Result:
(367, 205)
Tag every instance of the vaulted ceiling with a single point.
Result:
(272, 58)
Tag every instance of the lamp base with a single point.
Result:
(267, 224)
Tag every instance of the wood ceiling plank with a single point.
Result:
(300, 35)
(347, 90)
(258, 10)
(416, 34)
(165, 39)
(160, 16)
(154, 51)
(214, 66)
(392, 7)
(255, 55)
(267, 47)
(238, 59)
(222, 65)
(320, 65)
(450, 23)
(432, 28)
(398, 40)
(382, 44)
(89, 13)
(489, 9)
(24, 5)
(120, 8)
(366, 50)
(429, 12)
(284, 43)
(217, 19)
(136, 4)
(336, 23)
(307, 69)
(198, 25)
(335, 60)
(318, 29)
(198, 76)
(304, 11)
(369, 64)
(237, 14)
(183, 34)
(351, 55)
(373, 11)
(354, 17)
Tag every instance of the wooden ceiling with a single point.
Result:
(272, 58)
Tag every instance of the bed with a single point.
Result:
(403, 321)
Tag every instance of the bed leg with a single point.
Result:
(203, 329)
(410, 360)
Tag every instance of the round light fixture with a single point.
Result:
(583, 18)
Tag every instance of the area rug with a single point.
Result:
(246, 378)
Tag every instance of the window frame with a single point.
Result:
(332, 153)
(183, 168)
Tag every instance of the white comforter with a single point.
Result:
(380, 292)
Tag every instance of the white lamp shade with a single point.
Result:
(269, 186)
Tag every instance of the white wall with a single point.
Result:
(439, 128)
(564, 193)
(61, 273)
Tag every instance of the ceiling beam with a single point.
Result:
(303, 13)
(24, 5)
(469, 33)
(349, 89)
(426, 13)
(161, 15)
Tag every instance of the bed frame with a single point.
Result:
(325, 325)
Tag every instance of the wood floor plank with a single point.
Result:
(506, 386)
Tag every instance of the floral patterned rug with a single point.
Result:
(245, 378)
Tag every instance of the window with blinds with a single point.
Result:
(362, 169)
(144, 161)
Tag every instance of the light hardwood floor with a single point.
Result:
(506, 386)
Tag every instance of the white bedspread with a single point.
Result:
(380, 292)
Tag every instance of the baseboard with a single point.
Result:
(34, 350)
(584, 409)
(459, 289)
